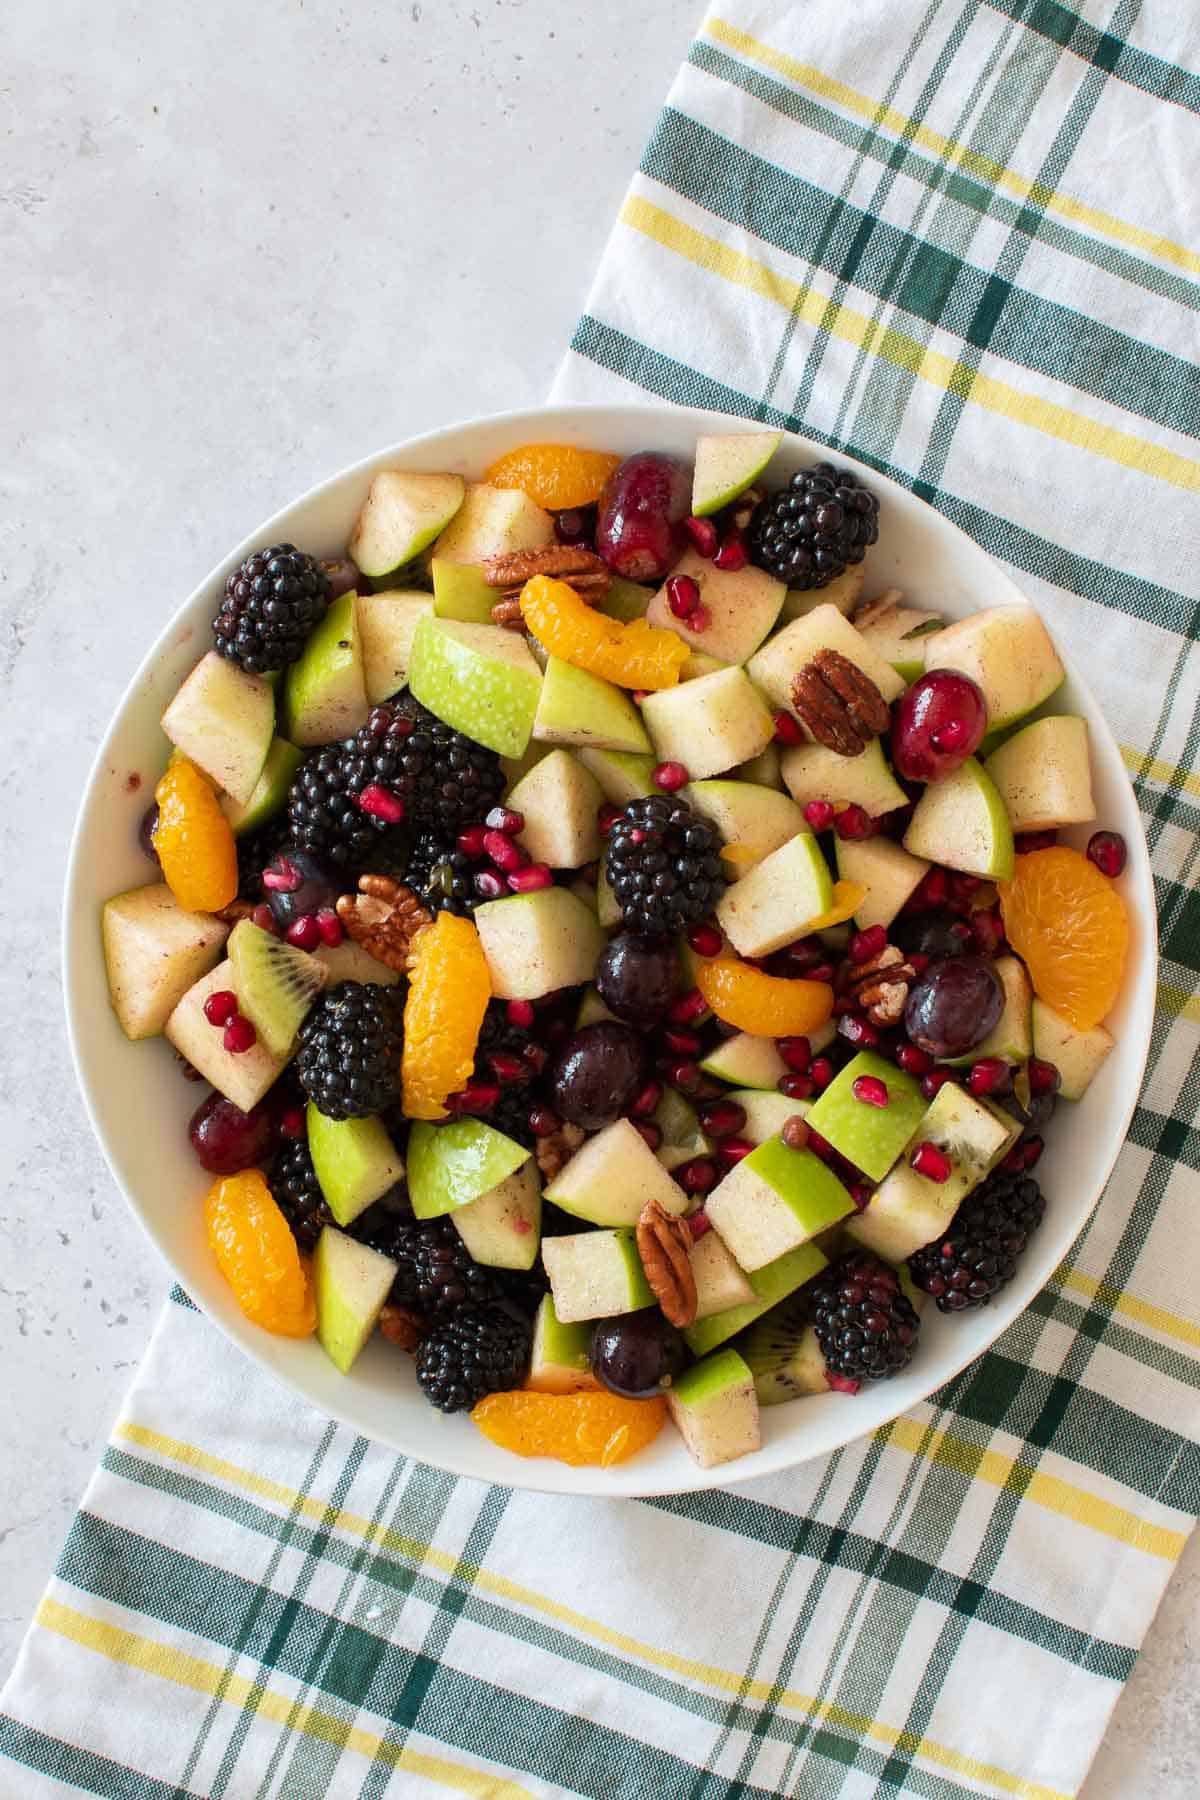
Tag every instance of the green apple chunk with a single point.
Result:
(758, 819)
(907, 1210)
(535, 943)
(698, 664)
(270, 790)
(1011, 1038)
(1044, 775)
(608, 907)
(492, 521)
(842, 592)
(612, 1176)
(961, 821)
(708, 725)
(153, 953)
(887, 871)
(243, 1078)
(560, 1361)
(461, 591)
(595, 1275)
(1008, 652)
(223, 720)
(355, 1162)
(387, 624)
(746, 1061)
(899, 633)
(871, 1137)
(625, 600)
(351, 1283)
(1077, 1055)
(559, 801)
(773, 1201)
(767, 1112)
(726, 465)
(715, 1409)
(781, 658)
(784, 1356)
(480, 679)
(811, 772)
(720, 1283)
(502, 1229)
(771, 905)
(325, 694)
(742, 606)
(622, 777)
(770, 1285)
(451, 1165)
(575, 707)
(348, 961)
(679, 1122)
(401, 516)
(591, 1010)
(763, 770)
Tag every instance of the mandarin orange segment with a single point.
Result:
(555, 475)
(1069, 925)
(257, 1255)
(766, 1005)
(636, 655)
(193, 840)
(448, 990)
(848, 896)
(596, 1427)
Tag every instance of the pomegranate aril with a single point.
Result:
(819, 815)
(703, 534)
(637, 835)
(723, 1119)
(689, 1006)
(700, 620)
(1044, 1078)
(866, 944)
(732, 1150)
(520, 1014)
(858, 1031)
(503, 818)
(789, 731)
(964, 887)
(821, 972)
(919, 961)
(698, 1176)
(528, 881)
(576, 525)
(931, 1162)
(932, 1084)
(476, 1097)
(504, 853)
(240, 1036)
(931, 891)
(264, 918)
(649, 1132)
(507, 1068)
(989, 1076)
(1033, 1148)
(647, 1100)
(821, 1074)
(670, 777)
(1027, 841)
(705, 940)
(841, 1384)
(796, 1087)
(1107, 849)
(607, 817)
(304, 933)
(796, 1053)
(542, 1122)
(794, 1133)
(220, 1007)
(853, 822)
(870, 1090)
(330, 927)
(489, 884)
(732, 554)
(683, 596)
(820, 1146)
(912, 1060)
(683, 1043)
(292, 1123)
(378, 803)
(698, 1224)
(987, 931)
(860, 1193)
(683, 1075)
(282, 876)
(471, 841)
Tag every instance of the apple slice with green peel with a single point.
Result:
(901, 634)
(387, 624)
(886, 870)
(595, 1275)
(276, 984)
(763, 769)
(612, 1176)
(767, 1112)
(1011, 1038)
(727, 464)
(720, 1283)
(351, 1283)
(622, 777)
(355, 1162)
(153, 953)
(842, 592)
(871, 1137)
(961, 821)
(492, 521)
(270, 790)
(1008, 652)
(715, 1409)
(907, 1210)
(480, 679)
(746, 1061)
(679, 1122)
(560, 1361)
(781, 658)
(592, 1010)
(709, 725)
(1077, 1055)
(503, 1228)
(243, 1078)
(771, 1285)
(461, 591)
(757, 819)
(450, 1165)
(575, 707)
(698, 664)
(811, 772)
(1044, 775)
(538, 942)
(401, 516)
(223, 720)
(559, 802)
(625, 600)
(783, 1355)
(325, 693)
(773, 1201)
(742, 606)
(772, 904)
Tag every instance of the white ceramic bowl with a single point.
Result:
(140, 1106)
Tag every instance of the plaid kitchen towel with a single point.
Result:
(950, 238)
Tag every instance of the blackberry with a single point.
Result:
(865, 1326)
(481, 1350)
(255, 849)
(350, 1044)
(271, 604)
(978, 1254)
(293, 1182)
(664, 865)
(436, 1273)
(822, 521)
(442, 875)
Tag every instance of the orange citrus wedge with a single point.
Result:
(848, 896)
(766, 1005)
(555, 475)
(636, 655)
(587, 1428)
(257, 1255)
(1068, 924)
(448, 990)
(193, 839)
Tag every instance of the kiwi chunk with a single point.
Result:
(275, 984)
(783, 1355)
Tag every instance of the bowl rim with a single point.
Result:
(538, 1474)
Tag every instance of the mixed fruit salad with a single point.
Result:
(633, 967)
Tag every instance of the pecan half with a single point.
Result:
(235, 912)
(384, 917)
(838, 705)
(880, 985)
(581, 569)
(402, 1327)
(507, 612)
(664, 1245)
(554, 1152)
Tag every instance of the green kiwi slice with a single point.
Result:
(783, 1355)
(275, 983)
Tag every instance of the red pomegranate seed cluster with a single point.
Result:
(866, 944)
(703, 535)
(221, 1011)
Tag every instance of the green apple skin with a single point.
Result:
(961, 821)
(1043, 774)
(887, 871)
(742, 606)
(325, 693)
(1007, 651)
(403, 513)
(727, 464)
(591, 1009)
(354, 1160)
(771, 1285)
(223, 720)
(871, 1137)
(460, 591)
(709, 725)
(757, 818)
(766, 1112)
(774, 901)
(715, 1410)
(612, 1177)
(622, 777)
(595, 1275)
(746, 1061)
(450, 1165)
(1077, 1055)
(578, 708)
(773, 668)
(243, 1078)
(480, 679)
(538, 942)
(351, 1283)
(625, 600)
(503, 1228)
(679, 1123)
(811, 772)
(387, 624)
(773, 1201)
(560, 1361)
(154, 952)
(270, 790)
(842, 592)
(492, 521)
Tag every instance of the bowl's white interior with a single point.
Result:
(140, 1105)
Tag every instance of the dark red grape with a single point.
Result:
(953, 1006)
(297, 884)
(637, 1354)
(939, 722)
(227, 1140)
(635, 977)
(640, 529)
(930, 934)
(598, 1074)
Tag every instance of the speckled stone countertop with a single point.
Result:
(239, 248)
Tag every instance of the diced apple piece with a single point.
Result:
(727, 464)
(355, 1162)
(742, 606)
(608, 907)
(763, 770)
(270, 790)
(325, 695)
(348, 961)
(351, 1283)
(387, 624)
(715, 1409)
(242, 1078)
(595, 1275)
(559, 802)
(1044, 776)
(700, 663)
(746, 1061)
(767, 1112)
(560, 1362)
(625, 600)
(575, 707)
(708, 725)
(679, 1123)
(612, 1177)
(502, 1229)
(490, 522)
(900, 634)
(961, 821)
(887, 871)
(757, 819)
(153, 953)
(622, 777)
(223, 720)
(401, 516)
(1011, 1038)
(772, 1284)
(1008, 652)
(871, 1137)
(1077, 1055)
(480, 679)
(773, 1201)
(538, 942)
(781, 658)
(720, 1283)
(461, 591)
(842, 592)
(771, 905)
(811, 772)
(450, 1165)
